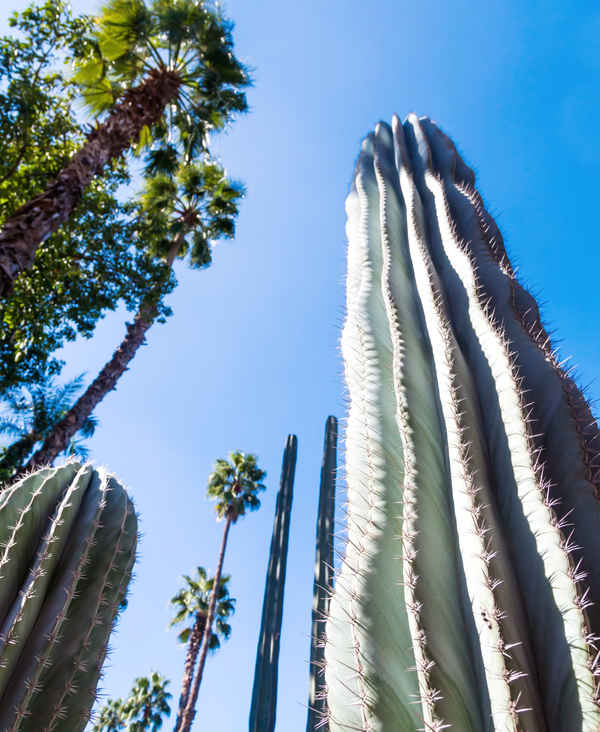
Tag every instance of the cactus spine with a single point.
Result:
(469, 593)
(67, 545)
(323, 583)
(264, 693)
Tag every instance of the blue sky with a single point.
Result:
(251, 352)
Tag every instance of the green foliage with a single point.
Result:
(111, 717)
(234, 484)
(92, 264)
(144, 709)
(147, 703)
(192, 202)
(29, 416)
(132, 39)
(193, 600)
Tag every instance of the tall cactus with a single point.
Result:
(473, 471)
(323, 583)
(67, 545)
(264, 693)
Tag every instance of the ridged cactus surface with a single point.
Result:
(67, 545)
(323, 582)
(263, 710)
(469, 595)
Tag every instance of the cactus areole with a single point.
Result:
(469, 593)
(67, 545)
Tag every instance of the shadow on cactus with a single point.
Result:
(68, 539)
(469, 594)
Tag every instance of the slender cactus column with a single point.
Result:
(264, 693)
(323, 584)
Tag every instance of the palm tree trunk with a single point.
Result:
(189, 712)
(66, 428)
(40, 217)
(190, 664)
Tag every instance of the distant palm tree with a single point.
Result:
(173, 56)
(191, 604)
(235, 485)
(30, 415)
(147, 704)
(143, 710)
(184, 207)
(111, 717)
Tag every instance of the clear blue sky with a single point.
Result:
(251, 352)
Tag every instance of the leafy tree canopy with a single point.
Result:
(28, 415)
(92, 264)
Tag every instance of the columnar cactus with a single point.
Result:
(469, 596)
(323, 583)
(264, 693)
(67, 545)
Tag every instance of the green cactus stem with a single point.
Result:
(469, 593)
(264, 693)
(68, 537)
(323, 582)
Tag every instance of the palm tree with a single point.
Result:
(235, 485)
(160, 70)
(32, 413)
(111, 717)
(183, 208)
(144, 708)
(191, 604)
(148, 702)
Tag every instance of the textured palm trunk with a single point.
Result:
(189, 712)
(190, 664)
(65, 429)
(40, 217)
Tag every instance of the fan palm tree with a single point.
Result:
(165, 70)
(143, 710)
(234, 484)
(111, 717)
(32, 413)
(182, 209)
(191, 604)
(147, 703)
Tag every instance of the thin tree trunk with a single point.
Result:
(190, 709)
(190, 663)
(40, 217)
(66, 428)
